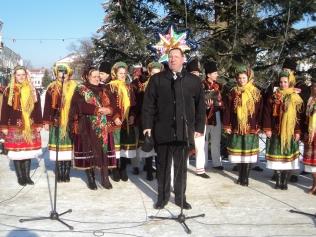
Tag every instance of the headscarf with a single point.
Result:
(153, 65)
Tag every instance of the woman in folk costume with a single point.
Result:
(124, 137)
(21, 122)
(88, 124)
(139, 86)
(57, 105)
(241, 120)
(309, 158)
(281, 123)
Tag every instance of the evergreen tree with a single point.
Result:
(259, 33)
(46, 79)
(128, 29)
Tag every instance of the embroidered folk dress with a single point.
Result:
(11, 119)
(273, 116)
(309, 158)
(243, 147)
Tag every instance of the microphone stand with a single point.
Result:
(181, 218)
(54, 215)
(303, 213)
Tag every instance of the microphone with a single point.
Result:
(63, 76)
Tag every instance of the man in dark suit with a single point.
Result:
(170, 95)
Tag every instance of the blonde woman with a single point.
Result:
(21, 122)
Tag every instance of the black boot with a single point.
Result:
(91, 179)
(116, 175)
(60, 173)
(241, 172)
(18, 171)
(123, 172)
(284, 179)
(278, 182)
(105, 182)
(149, 168)
(67, 166)
(247, 168)
(27, 169)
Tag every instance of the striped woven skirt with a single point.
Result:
(285, 160)
(84, 159)
(18, 148)
(243, 148)
(64, 146)
(309, 158)
(125, 143)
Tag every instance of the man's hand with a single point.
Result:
(209, 103)
(148, 131)
(228, 131)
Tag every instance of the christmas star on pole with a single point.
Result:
(170, 41)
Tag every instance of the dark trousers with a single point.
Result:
(177, 151)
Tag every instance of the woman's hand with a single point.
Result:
(5, 131)
(46, 126)
(228, 131)
(117, 122)
(268, 134)
(104, 110)
(297, 137)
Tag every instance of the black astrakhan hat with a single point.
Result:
(105, 67)
(194, 65)
(290, 64)
(210, 66)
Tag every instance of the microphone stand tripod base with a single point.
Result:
(303, 213)
(53, 216)
(181, 218)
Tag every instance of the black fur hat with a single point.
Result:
(193, 65)
(290, 64)
(210, 66)
(105, 67)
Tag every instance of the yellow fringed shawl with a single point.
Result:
(68, 91)
(292, 103)
(248, 96)
(124, 101)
